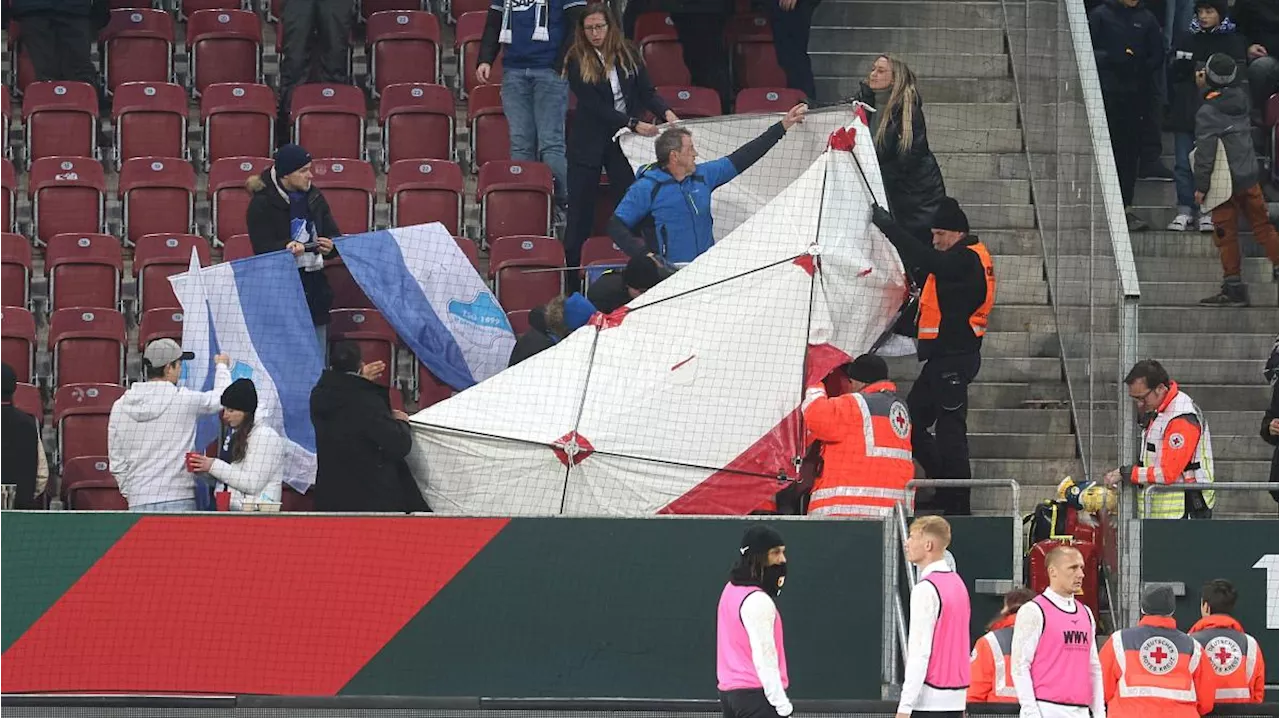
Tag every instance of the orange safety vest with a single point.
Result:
(931, 313)
(1235, 658)
(1154, 669)
(991, 665)
(866, 452)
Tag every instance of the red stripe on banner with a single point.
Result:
(229, 605)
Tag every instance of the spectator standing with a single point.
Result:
(700, 26)
(955, 304)
(1234, 656)
(251, 456)
(1129, 51)
(1257, 22)
(550, 324)
(1176, 447)
(361, 442)
(751, 659)
(316, 34)
(153, 426)
(288, 212)
(1223, 120)
(1153, 669)
(791, 22)
(59, 36)
(534, 35)
(616, 289)
(607, 75)
(990, 664)
(1270, 430)
(1210, 32)
(23, 462)
(936, 674)
(675, 193)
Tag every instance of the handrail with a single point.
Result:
(1149, 492)
(1015, 514)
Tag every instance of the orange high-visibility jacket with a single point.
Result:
(931, 313)
(1154, 669)
(1234, 656)
(991, 665)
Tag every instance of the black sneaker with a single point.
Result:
(1230, 295)
(1155, 171)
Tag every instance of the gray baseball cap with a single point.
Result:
(163, 352)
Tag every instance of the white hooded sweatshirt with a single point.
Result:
(152, 427)
(257, 476)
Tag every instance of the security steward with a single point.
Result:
(1153, 669)
(1234, 655)
(866, 444)
(1176, 447)
(954, 308)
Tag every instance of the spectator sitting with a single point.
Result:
(153, 426)
(551, 323)
(23, 463)
(1257, 22)
(361, 442)
(252, 456)
(991, 680)
(616, 288)
(288, 212)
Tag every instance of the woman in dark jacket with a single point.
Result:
(613, 90)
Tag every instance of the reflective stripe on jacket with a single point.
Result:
(931, 312)
(991, 665)
(1234, 656)
(1176, 447)
(1154, 669)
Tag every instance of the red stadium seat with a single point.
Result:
(87, 346)
(403, 46)
(271, 9)
(61, 120)
(347, 293)
(80, 414)
(223, 46)
(137, 46)
(602, 250)
(158, 194)
(370, 330)
(24, 73)
(466, 46)
(755, 63)
(655, 25)
(519, 321)
(515, 198)
(10, 186)
(349, 188)
(691, 102)
(766, 99)
(239, 121)
(458, 8)
(156, 258)
(329, 120)
(660, 47)
(509, 257)
(190, 7)
(84, 270)
(15, 271)
(468, 248)
(161, 323)
(89, 485)
(26, 397)
(6, 113)
(422, 191)
(490, 136)
(417, 123)
(369, 8)
(18, 341)
(747, 27)
(605, 203)
(150, 121)
(67, 195)
(228, 196)
(237, 247)
(430, 389)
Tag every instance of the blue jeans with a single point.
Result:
(535, 103)
(1177, 19)
(165, 507)
(1184, 181)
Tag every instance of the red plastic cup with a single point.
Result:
(191, 457)
(222, 499)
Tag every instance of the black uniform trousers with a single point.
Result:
(940, 399)
(584, 185)
(1126, 119)
(791, 44)
(60, 47)
(316, 34)
(746, 703)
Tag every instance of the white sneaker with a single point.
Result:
(1181, 223)
(1206, 223)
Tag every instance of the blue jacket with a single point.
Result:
(525, 53)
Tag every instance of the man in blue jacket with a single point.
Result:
(675, 192)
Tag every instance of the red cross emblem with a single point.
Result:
(899, 420)
(1158, 655)
(1224, 654)
(572, 448)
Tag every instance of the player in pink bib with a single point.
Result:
(751, 662)
(936, 679)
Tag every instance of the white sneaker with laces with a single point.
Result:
(1181, 223)
(1206, 223)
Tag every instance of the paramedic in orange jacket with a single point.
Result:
(1153, 669)
(866, 444)
(1234, 656)
(990, 675)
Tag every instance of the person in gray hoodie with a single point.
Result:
(1224, 118)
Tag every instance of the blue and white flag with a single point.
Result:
(428, 291)
(254, 310)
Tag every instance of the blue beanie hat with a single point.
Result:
(290, 158)
(577, 311)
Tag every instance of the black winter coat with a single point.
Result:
(596, 120)
(360, 448)
(912, 179)
(1257, 21)
(537, 339)
(268, 223)
(1128, 47)
(20, 461)
(1200, 44)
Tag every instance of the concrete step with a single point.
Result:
(1021, 344)
(1008, 395)
(834, 85)
(915, 33)
(1236, 447)
(1033, 421)
(1225, 397)
(962, 165)
(949, 62)
(1232, 503)
(1252, 320)
(908, 13)
(1165, 345)
(1038, 477)
(1182, 294)
(996, 369)
(1007, 246)
(1000, 216)
(1242, 471)
(964, 115)
(1255, 269)
(989, 191)
(1022, 446)
(1195, 244)
(1243, 372)
(1221, 423)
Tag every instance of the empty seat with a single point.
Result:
(417, 123)
(158, 256)
(67, 195)
(329, 120)
(602, 250)
(84, 270)
(61, 120)
(228, 196)
(755, 63)
(466, 46)
(150, 120)
(369, 8)
(137, 46)
(18, 341)
(690, 102)
(349, 187)
(655, 25)
(158, 195)
(15, 271)
(404, 46)
(87, 346)
(766, 99)
(469, 248)
(422, 191)
(347, 293)
(237, 247)
(369, 329)
(80, 414)
(458, 8)
(490, 137)
(519, 321)
(26, 397)
(430, 389)
(660, 47)
(187, 8)
(223, 46)
(516, 288)
(89, 486)
(161, 323)
(10, 186)
(238, 120)
(515, 198)
(24, 73)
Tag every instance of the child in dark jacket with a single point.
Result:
(1224, 118)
